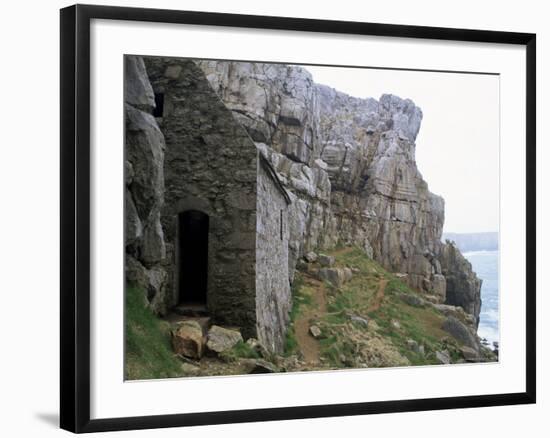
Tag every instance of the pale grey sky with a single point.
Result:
(457, 148)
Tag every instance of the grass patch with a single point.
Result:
(338, 353)
(241, 350)
(421, 324)
(396, 286)
(375, 294)
(148, 352)
(291, 345)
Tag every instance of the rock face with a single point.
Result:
(144, 179)
(350, 165)
(463, 286)
(461, 332)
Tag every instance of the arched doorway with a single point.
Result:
(192, 257)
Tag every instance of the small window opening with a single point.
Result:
(159, 105)
(281, 223)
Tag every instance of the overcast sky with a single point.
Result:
(458, 143)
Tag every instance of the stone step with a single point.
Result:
(175, 318)
(191, 310)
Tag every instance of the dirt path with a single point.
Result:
(308, 345)
(379, 295)
(341, 251)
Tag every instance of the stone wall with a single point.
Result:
(211, 166)
(273, 297)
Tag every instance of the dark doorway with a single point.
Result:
(158, 111)
(193, 257)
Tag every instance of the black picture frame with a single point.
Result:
(75, 217)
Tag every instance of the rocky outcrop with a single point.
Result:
(461, 332)
(144, 179)
(350, 166)
(378, 195)
(463, 286)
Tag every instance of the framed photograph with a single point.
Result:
(268, 218)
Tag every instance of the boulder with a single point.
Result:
(443, 357)
(315, 331)
(258, 366)
(188, 339)
(326, 260)
(333, 275)
(220, 339)
(461, 332)
(302, 266)
(414, 346)
(412, 300)
(359, 320)
(348, 274)
(469, 354)
(310, 257)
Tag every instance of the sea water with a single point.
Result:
(485, 265)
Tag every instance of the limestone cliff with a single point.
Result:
(144, 179)
(463, 286)
(350, 166)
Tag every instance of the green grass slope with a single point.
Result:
(397, 333)
(148, 353)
